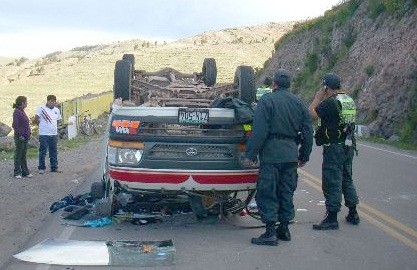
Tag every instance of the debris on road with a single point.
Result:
(112, 253)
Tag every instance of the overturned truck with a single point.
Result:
(168, 141)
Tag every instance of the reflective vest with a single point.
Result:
(262, 90)
(347, 120)
(348, 113)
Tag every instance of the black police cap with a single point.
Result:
(282, 78)
(331, 80)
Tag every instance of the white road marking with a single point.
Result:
(391, 152)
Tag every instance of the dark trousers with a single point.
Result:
(20, 163)
(337, 177)
(274, 191)
(48, 143)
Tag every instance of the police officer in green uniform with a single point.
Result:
(280, 118)
(265, 88)
(337, 112)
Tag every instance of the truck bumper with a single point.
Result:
(198, 180)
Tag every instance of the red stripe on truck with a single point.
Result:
(177, 178)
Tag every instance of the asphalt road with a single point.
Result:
(386, 238)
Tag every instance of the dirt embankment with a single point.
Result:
(24, 203)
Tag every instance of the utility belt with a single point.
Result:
(322, 139)
(329, 144)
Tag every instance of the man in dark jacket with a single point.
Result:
(337, 112)
(281, 123)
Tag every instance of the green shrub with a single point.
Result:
(21, 61)
(350, 37)
(311, 61)
(84, 48)
(370, 70)
(375, 8)
(395, 8)
(408, 132)
(408, 127)
(356, 91)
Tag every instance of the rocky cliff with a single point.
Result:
(372, 45)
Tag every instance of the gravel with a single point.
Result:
(24, 203)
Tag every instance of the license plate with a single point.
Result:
(193, 116)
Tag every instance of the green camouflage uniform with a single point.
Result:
(337, 117)
(279, 118)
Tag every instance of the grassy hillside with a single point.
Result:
(90, 69)
(5, 60)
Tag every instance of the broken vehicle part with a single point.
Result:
(113, 253)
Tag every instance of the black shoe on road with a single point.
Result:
(353, 218)
(283, 233)
(326, 225)
(266, 239)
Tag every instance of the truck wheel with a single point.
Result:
(209, 71)
(122, 79)
(97, 190)
(245, 82)
(86, 128)
(131, 58)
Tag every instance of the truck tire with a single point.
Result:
(245, 82)
(130, 57)
(122, 79)
(209, 71)
(97, 190)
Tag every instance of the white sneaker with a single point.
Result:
(29, 175)
(41, 171)
(18, 176)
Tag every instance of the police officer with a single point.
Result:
(265, 88)
(280, 118)
(336, 111)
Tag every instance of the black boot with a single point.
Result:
(353, 217)
(283, 233)
(269, 238)
(328, 223)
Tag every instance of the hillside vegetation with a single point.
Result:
(89, 69)
(372, 45)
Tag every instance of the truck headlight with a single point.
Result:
(124, 155)
(129, 156)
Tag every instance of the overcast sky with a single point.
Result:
(34, 28)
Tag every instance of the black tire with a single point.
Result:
(122, 79)
(131, 59)
(97, 190)
(245, 82)
(87, 128)
(98, 128)
(209, 71)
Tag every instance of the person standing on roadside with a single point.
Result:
(47, 117)
(281, 123)
(337, 112)
(21, 138)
